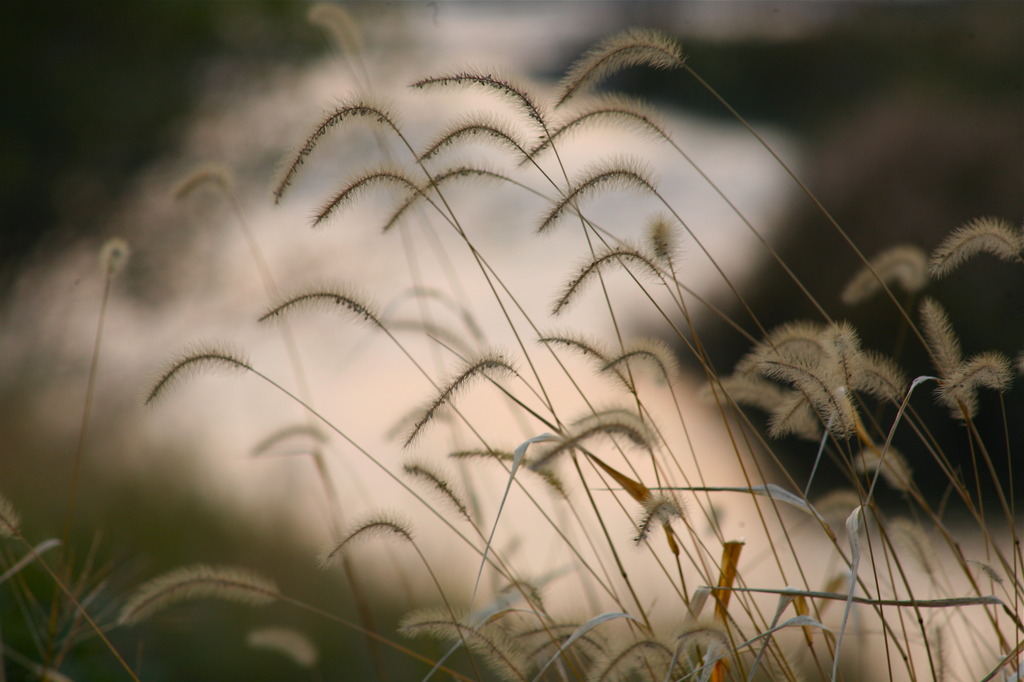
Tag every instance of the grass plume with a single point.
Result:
(905, 265)
(982, 235)
(356, 109)
(482, 367)
(196, 582)
(288, 642)
(374, 526)
(611, 475)
(325, 298)
(505, 86)
(625, 174)
(623, 255)
(194, 360)
(426, 473)
(633, 47)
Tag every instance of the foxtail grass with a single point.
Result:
(621, 493)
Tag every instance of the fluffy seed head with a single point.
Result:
(904, 265)
(485, 366)
(479, 127)
(615, 174)
(504, 656)
(346, 111)
(942, 340)
(652, 352)
(615, 422)
(607, 110)
(633, 47)
(622, 255)
(327, 297)
(193, 360)
(285, 641)
(895, 469)
(502, 84)
(983, 235)
(195, 582)
(959, 390)
(823, 389)
(374, 526)
(663, 237)
(656, 510)
(429, 474)
(627, 657)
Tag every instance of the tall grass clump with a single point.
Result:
(588, 517)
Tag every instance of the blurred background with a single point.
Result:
(903, 117)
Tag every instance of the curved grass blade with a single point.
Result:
(579, 632)
(517, 459)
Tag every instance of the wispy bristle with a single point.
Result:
(880, 376)
(991, 573)
(348, 193)
(607, 109)
(435, 479)
(374, 526)
(620, 661)
(656, 510)
(607, 423)
(983, 235)
(548, 476)
(633, 47)
(745, 389)
(486, 128)
(895, 469)
(483, 366)
(904, 265)
(626, 173)
(836, 505)
(959, 390)
(285, 641)
(623, 255)
(842, 351)
(540, 643)
(501, 652)
(346, 111)
(653, 352)
(793, 415)
(704, 635)
(588, 348)
(790, 413)
(501, 84)
(825, 391)
(662, 234)
(799, 341)
(195, 582)
(942, 340)
(439, 180)
(192, 361)
(325, 297)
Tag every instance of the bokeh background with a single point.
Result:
(904, 118)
